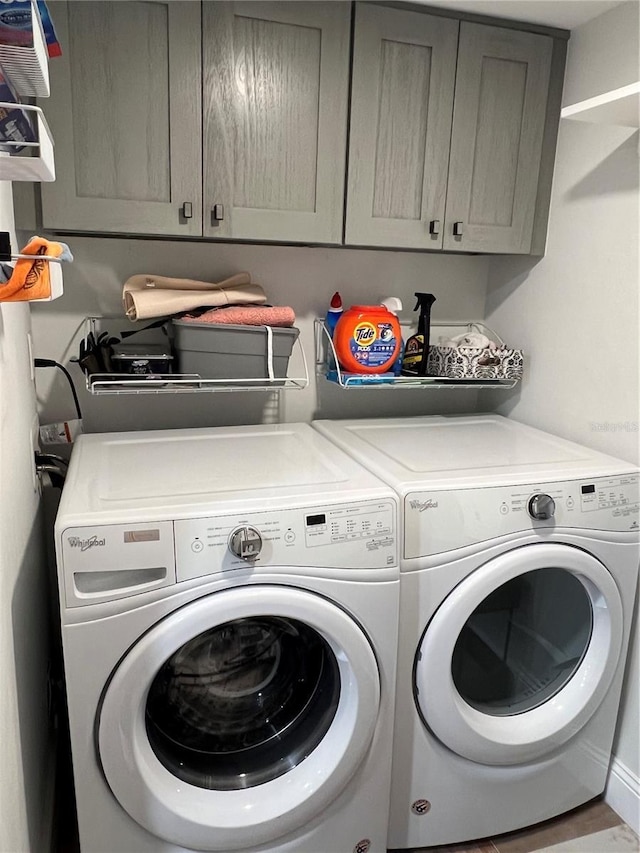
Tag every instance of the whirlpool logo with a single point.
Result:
(422, 505)
(86, 544)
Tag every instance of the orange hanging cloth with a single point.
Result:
(31, 279)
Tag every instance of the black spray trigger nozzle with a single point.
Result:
(424, 300)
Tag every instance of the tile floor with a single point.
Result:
(592, 828)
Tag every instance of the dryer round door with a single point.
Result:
(520, 654)
(239, 717)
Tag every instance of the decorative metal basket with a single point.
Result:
(476, 363)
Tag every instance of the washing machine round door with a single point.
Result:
(239, 717)
(520, 654)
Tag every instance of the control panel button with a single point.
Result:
(245, 542)
(504, 509)
(197, 546)
(289, 537)
(541, 507)
(570, 502)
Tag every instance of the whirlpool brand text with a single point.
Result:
(422, 505)
(86, 544)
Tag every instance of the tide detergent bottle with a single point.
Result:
(367, 339)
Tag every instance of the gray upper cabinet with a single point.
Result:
(275, 83)
(452, 135)
(404, 68)
(229, 120)
(125, 113)
(500, 108)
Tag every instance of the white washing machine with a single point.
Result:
(518, 573)
(229, 606)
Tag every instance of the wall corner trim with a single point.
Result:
(622, 794)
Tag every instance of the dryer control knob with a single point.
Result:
(542, 507)
(245, 542)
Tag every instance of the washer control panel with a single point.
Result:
(357, 535)
(439, 521)
(346, 524)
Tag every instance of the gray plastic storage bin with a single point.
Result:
(231, 352)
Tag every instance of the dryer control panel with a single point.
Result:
(442, 520)
(359, 535)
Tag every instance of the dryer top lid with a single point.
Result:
(171, 473)
(465, 451)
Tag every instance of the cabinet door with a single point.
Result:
(276, 78)
(404, 67)
(498, 125)
(125, 113)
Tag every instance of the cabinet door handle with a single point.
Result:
(458, 229)
(187, 210)
(434, 226)
(217, 212)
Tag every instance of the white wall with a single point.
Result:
(576, 312)
(302, 277)
(603, 54)
(26, 781)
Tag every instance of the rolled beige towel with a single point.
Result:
(149, 296)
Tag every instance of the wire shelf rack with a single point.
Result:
(191, 383)
(328, 366)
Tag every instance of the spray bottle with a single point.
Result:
(416, 351)
(334, 313)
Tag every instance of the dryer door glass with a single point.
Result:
(523, 643)
(243, 703)
(520, 654)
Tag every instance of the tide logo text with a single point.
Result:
(365, 334)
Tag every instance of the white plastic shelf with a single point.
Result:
(619, 107)
(34, 162)
(28, 67)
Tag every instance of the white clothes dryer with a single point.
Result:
(229, 605)
(518, 571)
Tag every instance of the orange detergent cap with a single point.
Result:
(367, 339)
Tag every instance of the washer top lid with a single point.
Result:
(174, 473)
(465, 451)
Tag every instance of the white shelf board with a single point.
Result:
(28, 67)
(617, 107)
(33, 161)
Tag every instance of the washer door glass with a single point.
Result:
(243, 703)
(520, 654)
(523, 642)
(239, 717)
